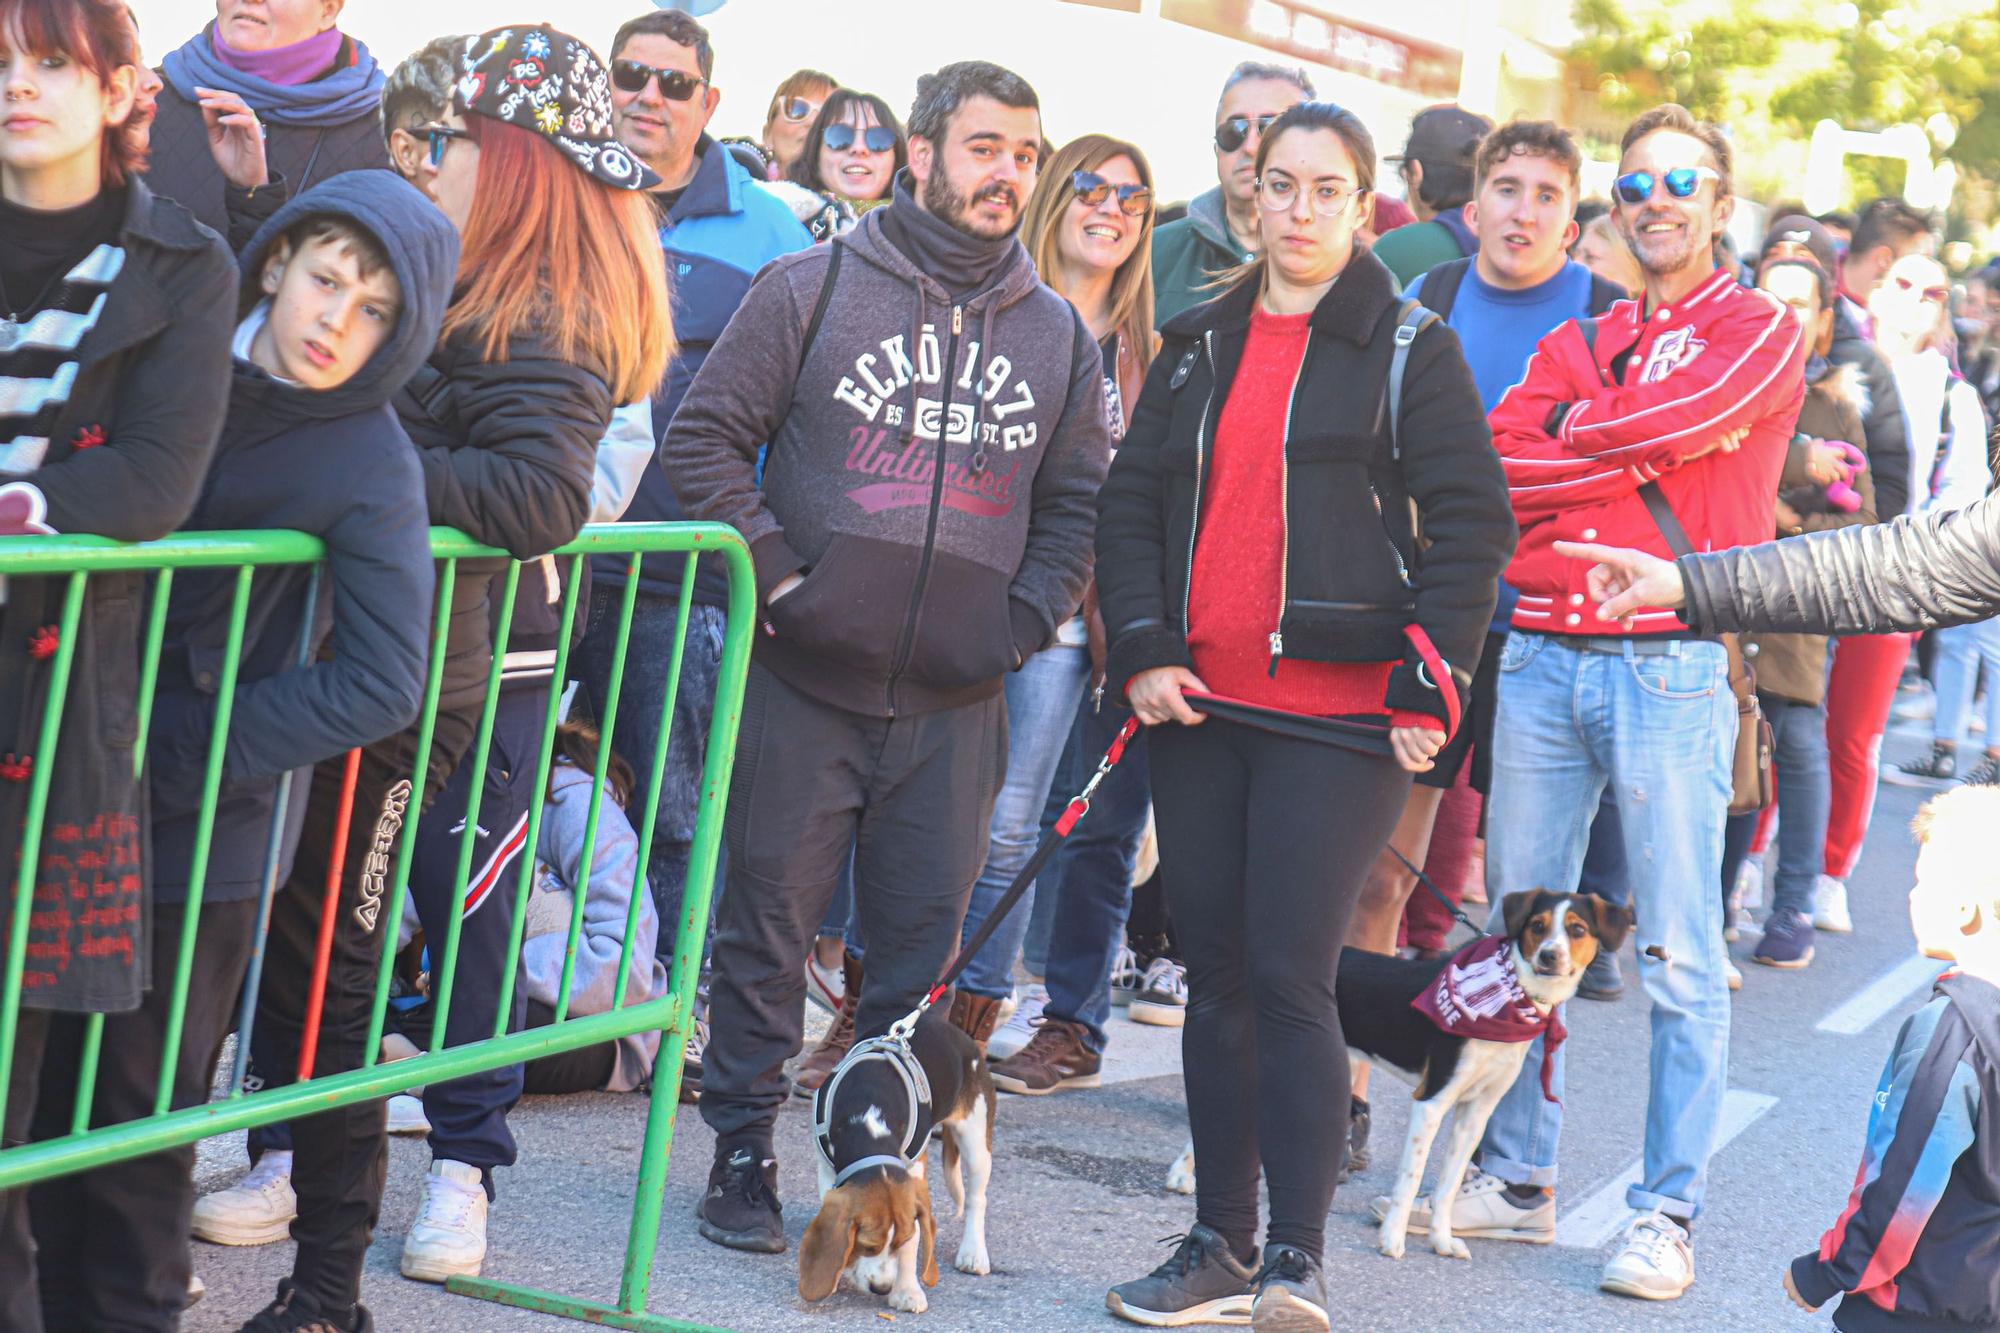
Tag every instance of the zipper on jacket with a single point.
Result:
(907, 644)
(1402, 570)
(1200, 460)
(1285, 506)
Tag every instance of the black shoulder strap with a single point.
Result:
(1412, 318)
(819, 304)
(1663, 515)
(1440, 289)
(1603, 294)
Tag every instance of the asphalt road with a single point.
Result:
(1078, 1201)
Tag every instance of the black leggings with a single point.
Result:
(1264, 843)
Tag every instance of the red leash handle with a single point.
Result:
(1439, 671)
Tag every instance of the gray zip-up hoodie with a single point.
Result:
(923, 586)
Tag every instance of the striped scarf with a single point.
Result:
(38, 358)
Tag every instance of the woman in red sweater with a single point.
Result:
(1257, 540)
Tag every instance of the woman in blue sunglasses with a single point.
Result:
(853, 152)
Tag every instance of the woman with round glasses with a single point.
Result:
(1257, 540)
(853, 151)
(794, 107)
(1088, 227)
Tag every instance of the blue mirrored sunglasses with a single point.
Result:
(440, 137)
(1636, 187)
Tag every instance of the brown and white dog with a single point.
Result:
(1550, 939)
(876, 1224)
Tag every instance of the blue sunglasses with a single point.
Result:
(1636, 187)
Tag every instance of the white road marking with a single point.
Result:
(1878, 998)
(1591, 1224)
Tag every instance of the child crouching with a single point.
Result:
(1914, 1248)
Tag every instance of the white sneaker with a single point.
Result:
(1484, 1210)
(449, 1235)
(406, 1115)
(825, 986)
(256, 1210)
(1019, 1029)
(196, 1289)
(1830, 906)
(1747, 892)
(1657, 1262)
(1126, 978)
(1163, 996)
(1732, 973)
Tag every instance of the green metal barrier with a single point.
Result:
(76, 559)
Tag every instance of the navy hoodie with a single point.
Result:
(337, 464)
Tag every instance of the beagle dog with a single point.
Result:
(874, 1122)
(1536, 965)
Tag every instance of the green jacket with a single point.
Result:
(1415, 249)
(1188, 253)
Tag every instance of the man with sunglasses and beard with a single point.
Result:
(1219, 231)
(921, 525)
(1666, 415)
(718, 226)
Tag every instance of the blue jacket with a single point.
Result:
(722, 230)
(336, 464)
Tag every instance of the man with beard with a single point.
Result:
(921, 525)
(1667, 415)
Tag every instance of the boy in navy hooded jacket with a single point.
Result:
(344, 290)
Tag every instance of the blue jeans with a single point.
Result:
(1041, 704)
(1805, 795)
(1092, 871)
(1659, 730)
(1961, 651)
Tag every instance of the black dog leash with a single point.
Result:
(1457, 913)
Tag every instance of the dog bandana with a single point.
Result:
(1478, 995)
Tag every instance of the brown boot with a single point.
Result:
(832, 1049)
(975, 1015)
(1057, 1057)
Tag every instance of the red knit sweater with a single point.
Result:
(1234, 597)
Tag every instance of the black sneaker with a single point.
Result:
(1986, 773)
(741, 1209)
(1358, 1156)
(1602, 980)
(1291, 1293)
(1937, 769)
(1787, 942)
(296, 1312)
(1201, 1284)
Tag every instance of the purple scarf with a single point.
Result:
(286, 66)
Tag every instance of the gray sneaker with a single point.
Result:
(1200, 1284)
(1291, 1294)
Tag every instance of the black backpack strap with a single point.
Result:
(1603, 294)
(835, 249)
(1665, 519)
(1441, 284)
(1412, 318)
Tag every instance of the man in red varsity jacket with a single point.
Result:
(1690, 393)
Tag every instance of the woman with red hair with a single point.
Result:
(116, 311)
(559, 314)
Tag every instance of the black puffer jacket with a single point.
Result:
(1354, 576)
(1888, 435)
(509, 448)
(1923, 571)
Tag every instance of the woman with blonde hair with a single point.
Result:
(1088, 226)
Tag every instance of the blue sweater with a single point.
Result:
(1498, 329)
(336, 464)
(722, 230)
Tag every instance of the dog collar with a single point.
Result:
(894, 1051)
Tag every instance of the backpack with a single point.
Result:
(1441, 286)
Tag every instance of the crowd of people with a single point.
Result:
(1020, 454)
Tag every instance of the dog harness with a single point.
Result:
(1478, 995)
(893, 1051)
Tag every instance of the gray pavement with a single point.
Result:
(1078, 1202)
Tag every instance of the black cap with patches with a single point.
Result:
(1444, 137)
(1797, 229)
(551, 84)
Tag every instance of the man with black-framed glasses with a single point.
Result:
(718, 227)
(1220, 229)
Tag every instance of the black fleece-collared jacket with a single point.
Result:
(1354, 574)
